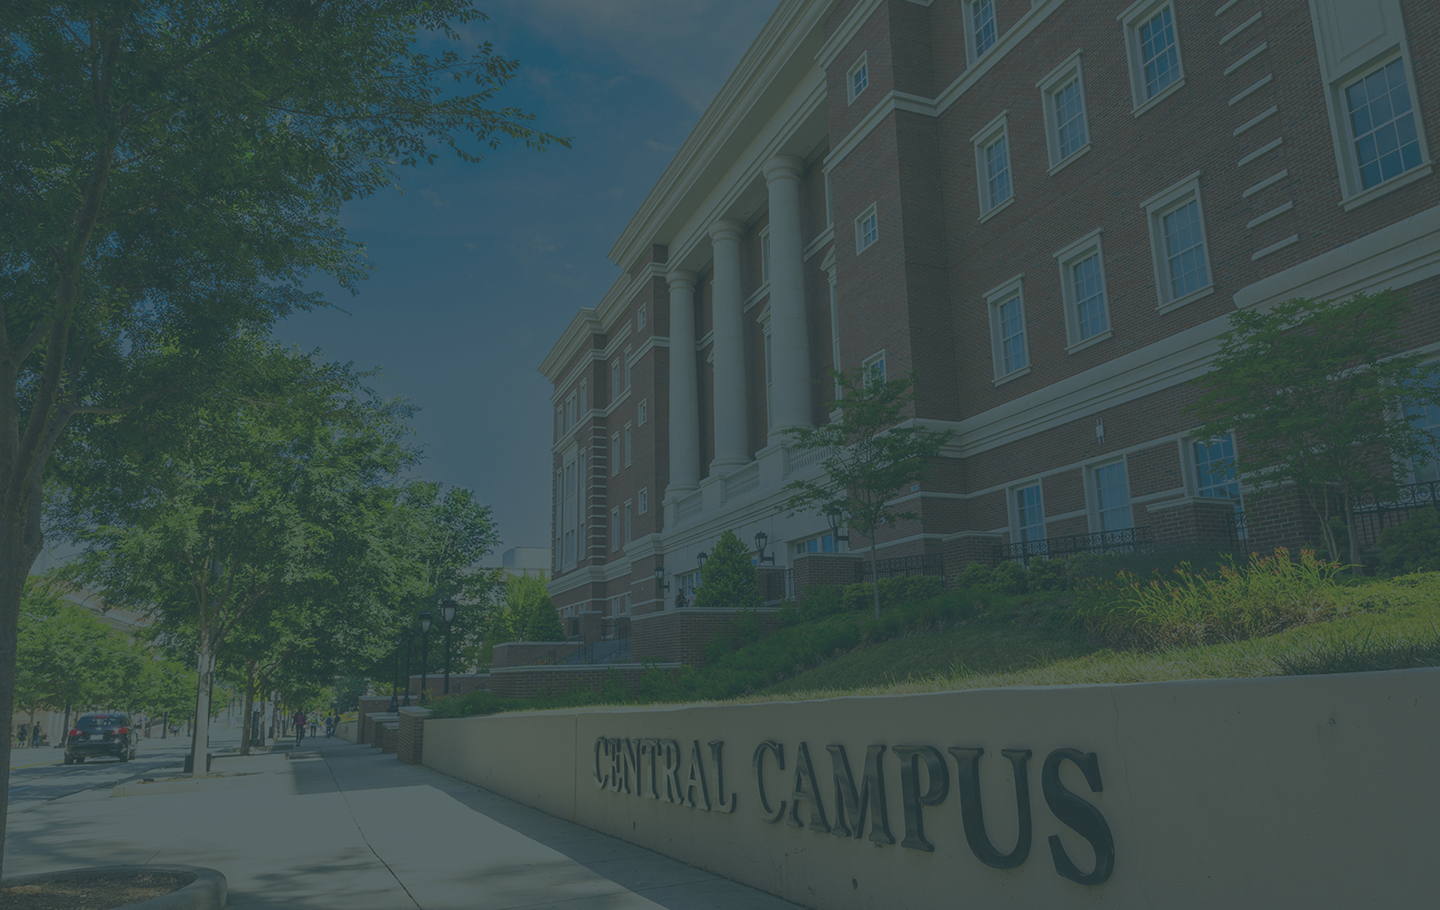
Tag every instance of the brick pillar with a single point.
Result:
(411, 747)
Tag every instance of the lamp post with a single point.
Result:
(447, 613)
(760, 540)
(660, 586)
(409, 640)
(395, 678)
(424, 654)
(836, 516)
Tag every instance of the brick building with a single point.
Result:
(1044, 210)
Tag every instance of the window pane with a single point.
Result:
(997, 171)
(1112, 497)
(1069, 119)
(1012, 337)
(1185, 250)
(1028, 514)
(982, 21)
(1215, 468)
(1160, 62)
(1089, 297)
(1426, 417)
(860, 80)
(1386, 141)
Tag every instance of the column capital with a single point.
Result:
(727, 229)
(680, 278)
(781, 167)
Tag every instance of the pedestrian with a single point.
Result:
(35, 737)
(299, 726)
(20, 737)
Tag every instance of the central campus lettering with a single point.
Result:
(621, 767)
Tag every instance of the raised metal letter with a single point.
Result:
(806, 788)
(851, 806)
(720, 802)
(629, 766)
(671, 749)
(601, 780)
(757, 761)
(652, 747)
(973, 816)
(615, 768)
(937, 787)
(1075, 813)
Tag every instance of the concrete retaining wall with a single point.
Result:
(1315, 792)
(347, 731)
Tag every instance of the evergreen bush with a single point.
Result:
(1413, 546)
(729, 580)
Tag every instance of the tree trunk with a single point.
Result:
(1356, 568)
(65, 734)
(247, 722)
(205, 665)
(875, 573)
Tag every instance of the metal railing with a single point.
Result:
(610, 643)
(1239, 527)
(906, 566)
(1372, 515)
(1121, 540)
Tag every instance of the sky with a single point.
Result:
(478, 268)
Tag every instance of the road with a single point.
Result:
(38, 777)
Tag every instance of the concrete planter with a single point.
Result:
(205, 892)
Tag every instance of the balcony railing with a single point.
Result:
(1372, 515)
(610, 644)
(907, 566)
(1121, 540)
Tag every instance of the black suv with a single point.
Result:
(100, 734)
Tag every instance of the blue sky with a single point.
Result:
(479, 267)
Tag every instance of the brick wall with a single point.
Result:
(1192, 520)
(387, 735)
(824, 570)
(373, 724)
(369, 704)
(528, 682)
(411, 745)
(526, 653)
(683, 635)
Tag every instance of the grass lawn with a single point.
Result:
(1386, 624)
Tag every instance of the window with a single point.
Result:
(627, 369)
(642, 412)
(1082, 285)
(629, 521)
(980, 27)
(615, 528)
(583, 389)
(1156, 69)
(1029, 519)
(765, 256)
(1382, 123)
(1370, 94)
(570, 411)
(629, 445)
(1063, 96)
(825, 543)
(1215, 468)
(829, 201)
(835, 331)
(615, 453)
(640, 317)
(1427, 417)
(1177, 239)
(567, 513)
(992, 166)
(644, 500)
(615, 386)
(858, 79)
(874, 368)
(1007, 330)
(1112, 497)
(867, 229)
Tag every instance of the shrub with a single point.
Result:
(975, 576)
(1008, 578)
(728, 580)
(1413, 546)
(1269, 594)
(822, 602)
(1048, 575)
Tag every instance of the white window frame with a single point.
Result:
(1067, 259)
(869, 364)
(991, 133)
(1197, 478)
(835, 329)
(572, 412)
(643, 498)
(765, 256)
(1017, 529)
(1345, 60)
(1001, 294)
(769, 380)
(867, 229)
(972, 51)
(629, 445)
(640, 317)
(584, 389)
(614, 454)
(615, 374)
(1050, 87)
(642, 412)
(829, 201)
(820, 541)
(859, 72)
(615, 528)
(1412, 473)
(1092, 495)
(1132, 19)
(1156, 208)
(569, 512)
(627, 369)
(629, 520)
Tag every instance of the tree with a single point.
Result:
(526, 613)
(871, 455)
(1318, 398)
(69, 657)
(728, 579)
(172, 172)
(218, 514)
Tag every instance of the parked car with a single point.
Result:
(101, 734)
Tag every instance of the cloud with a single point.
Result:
(690, 46)
(654, 146)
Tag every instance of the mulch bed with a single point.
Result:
(92, 890)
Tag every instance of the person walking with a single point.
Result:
(299, 727)
(20, 737)
(35, 737)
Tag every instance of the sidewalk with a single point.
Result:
(350, 828)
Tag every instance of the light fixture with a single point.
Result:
(447, 609)
(448, 606)
(660, 584)
(700, 559)
(425, 619)
(836, 516)
(761, 538)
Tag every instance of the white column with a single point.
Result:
(732, 430)
(684, 392)
(789, 340)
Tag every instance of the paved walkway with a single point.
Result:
(353, 829)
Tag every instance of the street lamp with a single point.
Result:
(760, 539)
(836, 516)
(395, 678)
(409, 640)
(424, 653)
(447, 612)
(700, 560)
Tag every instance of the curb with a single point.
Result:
(206, 892)
(187, 785)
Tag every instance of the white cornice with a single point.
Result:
(571, 341)
(599, 320)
